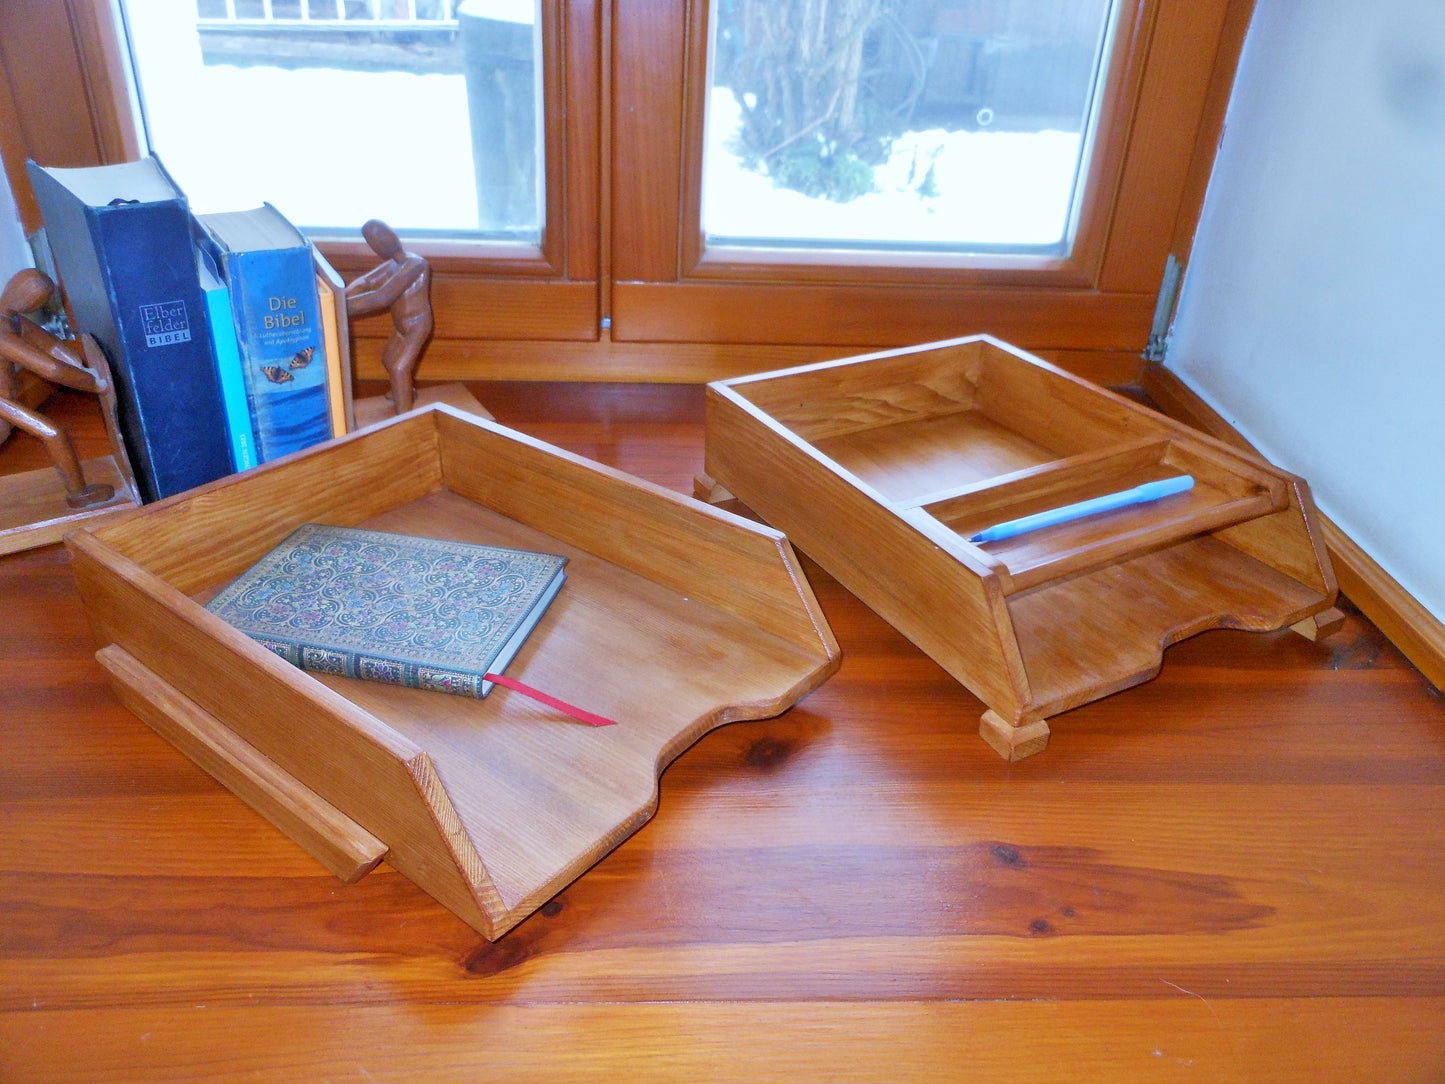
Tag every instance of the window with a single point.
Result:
(906, 125)
(470, 126)
(422, 113)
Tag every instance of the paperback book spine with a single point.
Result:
(332, 338)
(228, 370)
(339, 363)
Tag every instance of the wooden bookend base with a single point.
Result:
(377, 408)
(317, 827)
(1013, 742)
(34, 511)
(1325, 623)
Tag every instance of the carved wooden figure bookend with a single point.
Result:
(32, 507)
(400, 284)
(28, 345)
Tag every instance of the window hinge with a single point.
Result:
(1164, 309)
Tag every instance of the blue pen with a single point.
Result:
(1149, 491)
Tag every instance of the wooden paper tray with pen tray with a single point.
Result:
(675, 618)
(883, 467)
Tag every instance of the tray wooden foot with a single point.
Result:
(708, 489)
(1325, 623)
(1013, 742)
(319, 828)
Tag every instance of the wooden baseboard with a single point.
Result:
(1418, 634)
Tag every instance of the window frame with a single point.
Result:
(743, 263)
(487, 290)
(620, 206)
(498, 290)
(669, 287)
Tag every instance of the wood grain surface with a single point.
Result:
(1234, 872)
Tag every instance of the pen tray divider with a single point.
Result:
(1227, 490)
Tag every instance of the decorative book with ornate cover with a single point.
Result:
(421, 612)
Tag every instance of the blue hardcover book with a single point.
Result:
(121, 239)
(228, 365)
(421, 612)
(266, 264)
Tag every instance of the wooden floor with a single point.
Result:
(1235, 872)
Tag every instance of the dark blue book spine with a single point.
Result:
(278, 329)
(129, 274)
(166, 340)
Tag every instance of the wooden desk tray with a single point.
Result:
(882, 467)
(675, 619)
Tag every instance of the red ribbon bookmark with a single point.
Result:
(551, 701)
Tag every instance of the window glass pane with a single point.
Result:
(955, 125)
(424, 113)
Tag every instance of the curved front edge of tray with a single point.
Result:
(582, 824)
(1094, 635)
(1027, 733)
(764, 707)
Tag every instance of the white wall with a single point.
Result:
(1313, 310)
(14, 251)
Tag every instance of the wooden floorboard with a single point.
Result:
(1234, 872)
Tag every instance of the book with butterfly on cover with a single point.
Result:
(267, 265)
(421, 612)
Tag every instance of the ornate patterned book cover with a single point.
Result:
(421, 612)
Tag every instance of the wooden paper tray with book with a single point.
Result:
(883, 467)
(675, 618)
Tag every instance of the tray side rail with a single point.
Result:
(928, 588)
(1227, 490)
(742, 568)
(834, 398)
(353, 761)
(1062, 412)
(1291, 540)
